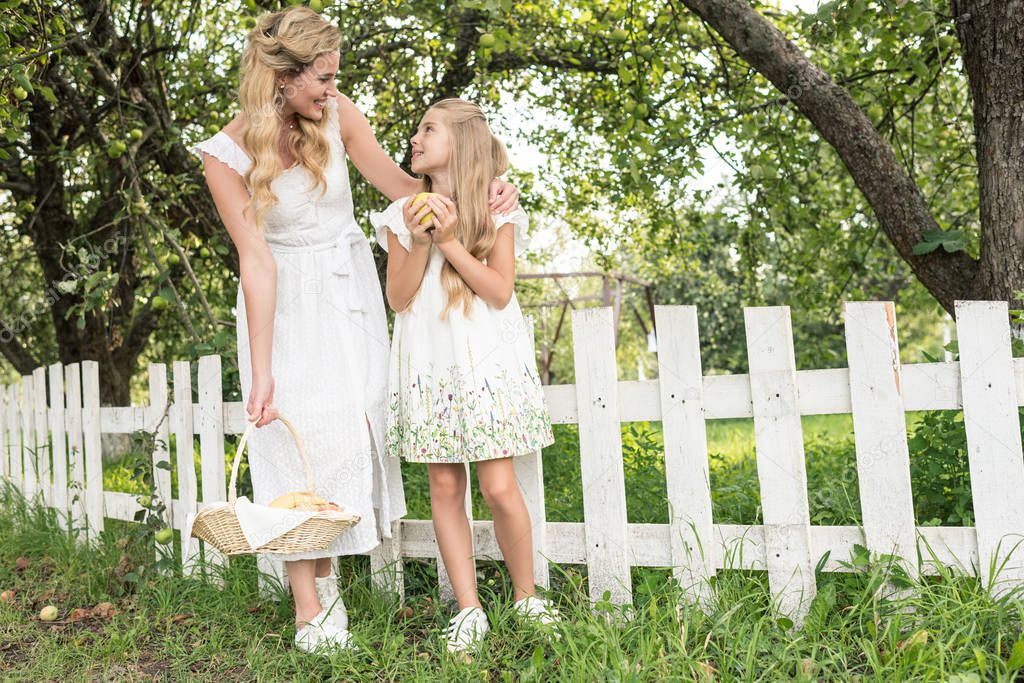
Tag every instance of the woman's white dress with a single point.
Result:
(462, 389)
(330, 351)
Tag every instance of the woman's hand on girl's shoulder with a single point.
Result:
(413, 215)
(502, 197)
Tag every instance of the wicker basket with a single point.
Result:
(219, 526)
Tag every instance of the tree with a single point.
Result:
(990, 33)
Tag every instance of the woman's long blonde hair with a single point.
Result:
(476, 157)
(284, 42)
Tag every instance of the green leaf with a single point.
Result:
(1016, 660)
(925, 247)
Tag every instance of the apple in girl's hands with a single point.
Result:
(445, 218)
(418, 203)
(418, 220)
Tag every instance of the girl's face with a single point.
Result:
(306, 93)
(430, 147)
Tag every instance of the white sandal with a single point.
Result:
(322, 636)
(539, 611)
(466, 630)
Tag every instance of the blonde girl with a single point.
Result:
(463, 382)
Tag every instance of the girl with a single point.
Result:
(311, 328)
(463, 380)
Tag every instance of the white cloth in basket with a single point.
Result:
(262, 523)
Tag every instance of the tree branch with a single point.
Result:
(15, 352)
(894, 197)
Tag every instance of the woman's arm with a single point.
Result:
(258, 273)
(494, 281)
(369, 157)
(406, 268)
(388, 177)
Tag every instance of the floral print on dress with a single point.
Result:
(448, 415)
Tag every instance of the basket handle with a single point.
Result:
(232, 494)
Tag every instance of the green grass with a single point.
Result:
(170, 627)
(173, 628)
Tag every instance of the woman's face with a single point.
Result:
(306, 93)
(430, 146)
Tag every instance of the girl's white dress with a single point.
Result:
(462, 389)
(330, 351)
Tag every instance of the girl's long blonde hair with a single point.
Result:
(284, 42)
(476, 157)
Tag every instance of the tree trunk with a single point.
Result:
(992, 34)
(893, 195)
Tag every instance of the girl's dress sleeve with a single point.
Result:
(222, 147)
(391, 218)
(520, 222)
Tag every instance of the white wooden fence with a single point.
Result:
(52, 421)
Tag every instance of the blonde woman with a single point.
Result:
(311, 329)
(463, 382)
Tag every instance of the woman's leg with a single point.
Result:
(512, 525)
(300, 576)
(451, 526)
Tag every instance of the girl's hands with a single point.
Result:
(413, 216)
(260, 407)
(502, 197)
(445, 218)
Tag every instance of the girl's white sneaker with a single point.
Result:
(466, 629)
(539, 611)
(330, 600)
(321, 636)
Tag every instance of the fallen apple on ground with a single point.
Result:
(7, 597)
(48, 613)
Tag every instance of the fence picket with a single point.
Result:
(993, 439)
(58, 445)
(184, 456)
(211, 443)
(41, 424)
(76, 454)
(30, 460)
(781, 471)
(14, 438)
(158, 423)
(93, 447)
(687, 475)
(5, 436)
(880, 431)
(7, 443)
(604, 480)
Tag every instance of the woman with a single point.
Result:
(312, 333)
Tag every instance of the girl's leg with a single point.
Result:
(512, 525)
(300, 576)
(323, 566)
(451, 526)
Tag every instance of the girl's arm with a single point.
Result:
(388, 177)
(494, 281)
(406, 268)
(258, 273)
